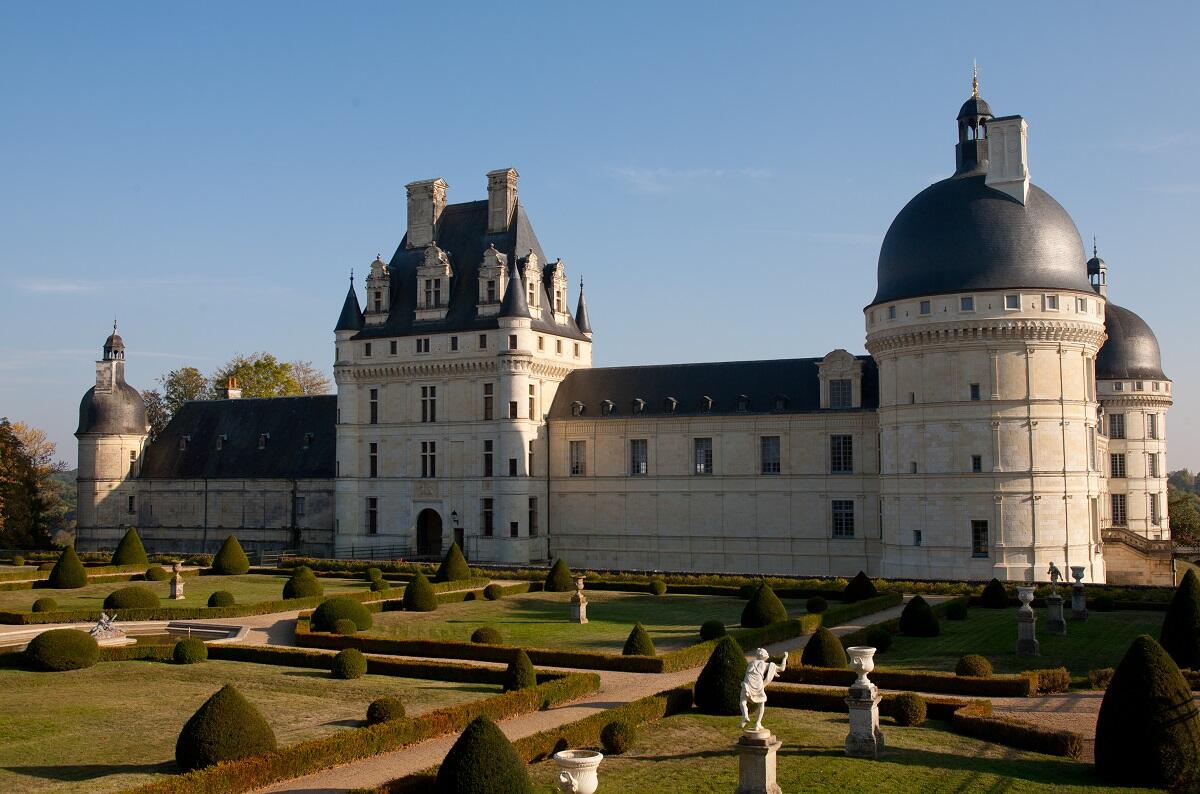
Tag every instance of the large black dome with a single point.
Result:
(959, 235)
(118, 412)
(1131, 351)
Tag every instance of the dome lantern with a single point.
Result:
(971, 153)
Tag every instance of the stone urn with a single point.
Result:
(1077, 573)
(862, 661)
(577, 770)
(1025, 596)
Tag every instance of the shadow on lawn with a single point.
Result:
(67, 772)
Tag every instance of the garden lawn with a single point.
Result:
(114, 725)
(1101, 641)
(693, 753)
(248, 588)
(543, 620)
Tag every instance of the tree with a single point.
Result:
(258, 375)
(180, 386)
(1183, 509)
(33, 503)
(156, 412)
(310, 379)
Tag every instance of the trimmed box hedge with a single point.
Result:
(1006, 686)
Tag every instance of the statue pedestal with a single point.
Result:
(579, 608)
(1055, 623)
(756, 763)
(865, 740)
(1078, 602)
(1027, 643)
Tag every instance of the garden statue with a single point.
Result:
(759, 673)
(579, 603)
(1079, 609)
(865, 739)
(1055, 577)
(577, 770)
(177, 581)
(1055, 624)
(104, 628)
(757, 747)
(1027, 642)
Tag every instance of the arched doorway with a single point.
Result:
(429, 533)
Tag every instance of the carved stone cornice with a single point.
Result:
(1023, 331)
(1140, 399)
(415, 370)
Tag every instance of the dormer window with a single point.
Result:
(743, 403)
(183, 442)
(670, 404)
(781, 402)
(577, 408)
(263, 438)
(639, 405)
(308, 440)
(706, 404)
(221, 439)
(606, 407)
(433, 293)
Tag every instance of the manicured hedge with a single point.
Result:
(68, 573)
(348, 663)
(942, 683)
(189, 650)
(131, 598)
(230, 560)
(58, 650)
(130, 550)
(824, 649)
(559, 579)
(419, 595)
(326, 616)
(226, 728)
(454, 566)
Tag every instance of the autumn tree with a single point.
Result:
(32, 507)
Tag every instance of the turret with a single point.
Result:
(581, 314)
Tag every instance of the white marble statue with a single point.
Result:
(759, 673)
(1055, 577)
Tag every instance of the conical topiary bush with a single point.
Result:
(225, 728)
(763, 608)
(1180, 635)
(130, 550)
(454, 566)
(639, 642)
(824, 649)
(559, 580)
(68, 573)
(994, 595)
(303, 583)
(520, 673)
(917, 619)
(483, 761)
(419, 595)
(719, 686)
(1148, 731)
(230, 560)
(859, 588)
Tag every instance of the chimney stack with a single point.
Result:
(502, 198)
(426, 200)
(232, 392)
(1008, 156)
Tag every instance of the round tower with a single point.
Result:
(985, 330)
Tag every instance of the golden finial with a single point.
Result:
(974, 78)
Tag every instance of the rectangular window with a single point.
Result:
(638, 457)
(1051, 303)
(512, 467)
(1116, 425)
(702, 455)
(299, 506)
(529, 462)
(966, 303)
(1012, 301)
(843, 518)
(422, 345)
(891, 312)
(532, 401)
(487, 458)
(129, 505)
(576, 350)
(372, 459)
(378, 301)
(372, 515)
(483, 341)
(558, 346)
(912, 467)
(912, 398)
(1152, 464)
(428, 459)
(926, 307)
(980, 544)
(1116, 462)
(1118, 386)
(839, 393)
(533, 517)
(1082, 305)
(975, 395)
(133, 458)
(769, 458)
(541, 343)
(1155, 518)
(578, 455)
(976, 463)
(392, 347)
(429, 403)
(491, 291)
(512, 409)
(454, 344)
(1139, 385)
(488, 517)
(512, 341)
(488, 390)
(916, 537)
(366, 349)
(1118, 509)
(373, 412)
(841, 454)
(514, 529)
(1152, 426)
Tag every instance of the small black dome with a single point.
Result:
(1131, 351)
(114, 342)
(959, 235)
(975, 107)
(118, 412)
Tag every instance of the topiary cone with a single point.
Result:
(719, 685)
(68, 573)
(454, 566)
(230, 560)
(130, 550)
(994, 595)
(1180, 635)
(1148, 731)
(639, 642)
(917, 619)
(520, 673)
(419, 595)
(225, 728)
(483, 761)
(559, 580)
(763, 608)
(859, 588)
(824, 649)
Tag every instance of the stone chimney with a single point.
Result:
(426, 200)
(502, 198)
(1008, 156)
(231, 390)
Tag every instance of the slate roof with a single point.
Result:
(795, 379)
(514, 303)
(287, 454)
(462, 234)
(351, 318)
(121, 412)
(1131, 351)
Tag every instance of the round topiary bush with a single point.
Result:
(1180, 635)
(763, 608)
(380, 586)
(918, 620)
(638, 643)
(994, 595)
(483, 761)
(221, 598)
(824, 649)
(1148, 731)
(957, 609)
(454, 566)
(45, 605)
(712, 629)
(719, 684)
(348, 663)
(816, 605)
(230, 560)
(345, 627)
(372, 574)
(62, 649)
(859, 588)
(493, 592)
(385, 709)
(227, 727)
(68, 573)
(130, 550)
(658, 587)
(135, 597)
(1104, 604)
(156, 573)
(419, 595)
(326, 616)
(559, 580)
(303, 584)
(18, 560)
(880, 639)
(520, 673)
(908, 709)
(617, 737)
(190, 650)
(974, 665)
(486, 635)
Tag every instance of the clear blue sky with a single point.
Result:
(721, 174)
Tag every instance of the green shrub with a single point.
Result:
(380, 586)
(454, 566)
(520, 673)
(617, 737)
(483, 761)
(63, 649)
(225, 728)
(486, 635)
(559, 580)
(1100, 679)
(994, 595)
(719, 685)
(345, 627)
(711, 630)
(68, 573)
(372, 574)
(230, 560)
(135, 597)
(763, 609)
(190, 650)
(493, 592)
(18, 560)
(156, 573)
(419, 595)
(658, 587)
(638, 643)
(917, 619)
(908, 709)
(348, 663)
(1180, 635)
(130, 550)
(221, 598)
(816, 605)
(957, 609)
(1148, 731)
(303, 584)
(385, 709)
(45, 605)
(1052, 680)
(973, 665)
(880, 639)
(860, 588)
(331, 610)
(1104, 604)
(823, 649)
